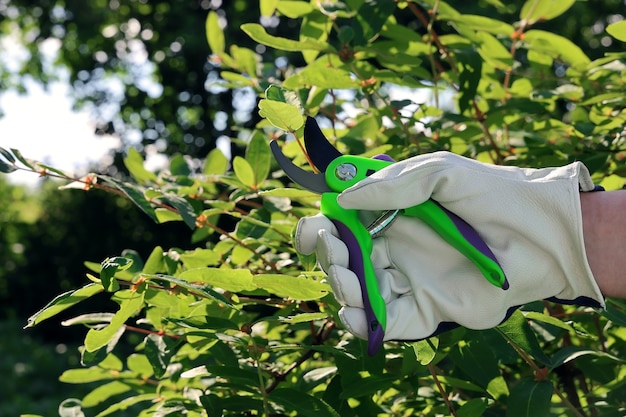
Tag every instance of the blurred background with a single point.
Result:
(82, 82)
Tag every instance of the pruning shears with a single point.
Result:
(337, 172)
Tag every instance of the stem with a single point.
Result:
(264, 391)
(146, 331)
(442, 391)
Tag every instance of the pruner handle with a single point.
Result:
(359, 242)
(463, 237)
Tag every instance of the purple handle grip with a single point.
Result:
(356, 260)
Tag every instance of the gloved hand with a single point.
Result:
(530, 218)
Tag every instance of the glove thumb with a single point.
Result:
(400, 185)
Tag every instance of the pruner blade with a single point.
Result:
(309, 180)
(320, 150)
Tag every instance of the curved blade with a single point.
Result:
(317, 146)
(309, 180)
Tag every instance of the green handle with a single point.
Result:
(456, 232)
(359, 242)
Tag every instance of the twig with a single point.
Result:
(442, 391)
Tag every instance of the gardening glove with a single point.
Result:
(530, 218)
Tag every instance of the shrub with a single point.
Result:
(244, 325)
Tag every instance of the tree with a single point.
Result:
(241, 324)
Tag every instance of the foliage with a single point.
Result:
(241, 324)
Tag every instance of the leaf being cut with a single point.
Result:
(282, 115)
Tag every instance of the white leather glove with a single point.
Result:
(530, 218)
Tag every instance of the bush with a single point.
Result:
(244, 325)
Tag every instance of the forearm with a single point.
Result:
(604, 228)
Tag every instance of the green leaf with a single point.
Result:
(296, 288)
(165, 215)
(473, 408)
(268, 7)
(246, 60)
(154, 263)
(303, 318)
(88, 319)
(131, 303)
(109, 267)
(293, 193)
(530, 398)
(6, 154)
(536, 10)
(216, 163)
(85, 375)
(200, 290)
(253, 225)
(322, 77)
(127, 402)
(517, 331)
(282, 115)
(370, 19)
(244, 172)
(199, 258)
(617, 30)
(140, 365)
(570, 353)
(303, 403)
(425, 350)
(134, 193)
(215, 34)
(532, 315)
(493, 52)
(476, 359)
(134, 164)
(234, 280)
(63, 302)
(314, 26)
(213, 404)
(258, 33)
(159, 350)
(104, 392)
(98, 356)
(482, 24)
(470, 65)
(21, 158)
(179, 166)
(259, 157)
(6, 167)
(185, 209)
(294, 9)
(556, 46)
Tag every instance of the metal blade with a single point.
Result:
(320, 150)
(309, 180)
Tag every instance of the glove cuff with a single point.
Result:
(584, 290)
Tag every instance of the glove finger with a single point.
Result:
(345, 286)
(331, 251)
(307, 232)
(354, 321)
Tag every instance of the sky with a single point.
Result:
(41, 124)
(43, 127)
